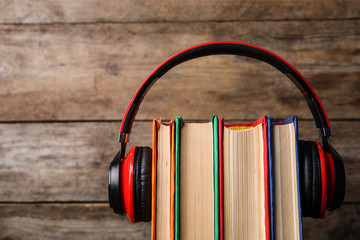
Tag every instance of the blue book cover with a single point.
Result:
(271, 122)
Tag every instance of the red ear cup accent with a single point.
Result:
(126, 182)
(323, 180)
(340, 181)
(130, 184)
(331, 178)
(121, 185)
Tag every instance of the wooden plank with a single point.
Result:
(340, 224)
(96, 221)
(39, 161)
(67, 221)
(74, 72)
(69, 161)
(26, 11)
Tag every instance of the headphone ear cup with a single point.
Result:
(142, 184)
(114, 188)
(310, 179)
(339, 175)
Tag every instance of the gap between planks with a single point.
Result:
(180, 22)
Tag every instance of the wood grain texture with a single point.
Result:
(77, 72)
(67, 11)
(60, 162)
(69, 161)
(67, 221)
(83, 61)
(96, 221)
(340, 224)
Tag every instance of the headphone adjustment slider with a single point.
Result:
(324, 132)
(123, 137)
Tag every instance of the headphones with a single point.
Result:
(322, 173)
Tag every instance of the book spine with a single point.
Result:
(178, 125)
(172, 180)
(215, 123)
(221, 177)
(153, 179)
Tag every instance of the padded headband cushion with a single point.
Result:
(310, 178)
(142, 184)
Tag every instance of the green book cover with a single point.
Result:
(215, 125)
(178, 125)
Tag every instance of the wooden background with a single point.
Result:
(69, 68)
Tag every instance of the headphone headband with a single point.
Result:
(231, 48)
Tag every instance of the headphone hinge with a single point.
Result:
(326, 144)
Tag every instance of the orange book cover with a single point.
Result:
(154, 207)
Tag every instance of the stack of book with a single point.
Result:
(218, 181)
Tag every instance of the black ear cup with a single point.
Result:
(339, 171)
(115, 200)
(142, 184)
(310, 179)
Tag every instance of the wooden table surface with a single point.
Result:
(68, 70)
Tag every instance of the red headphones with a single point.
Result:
(322, 173)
